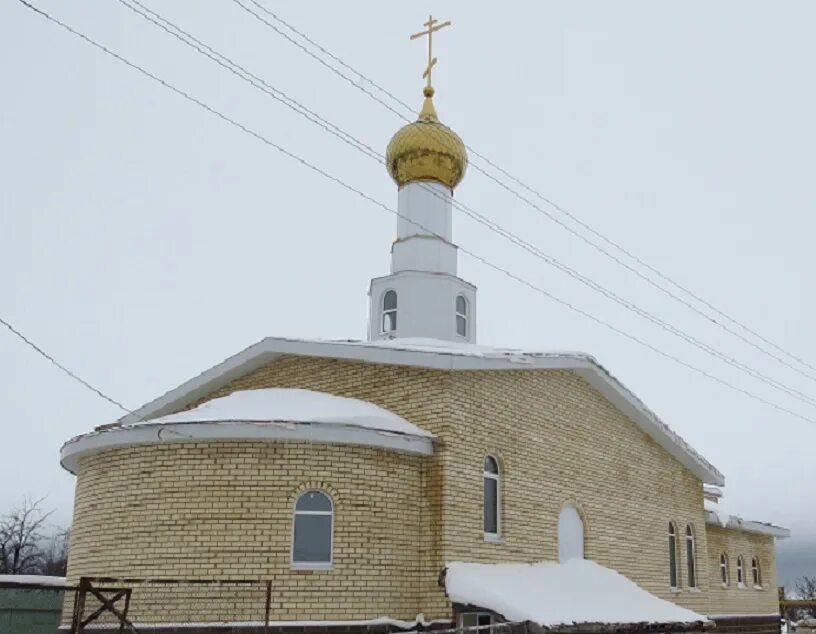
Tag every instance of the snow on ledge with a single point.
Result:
(718, 515)
(269, 415)
(552, 594)
(33, 580)
(297, 406)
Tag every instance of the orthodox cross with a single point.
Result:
(433, 26)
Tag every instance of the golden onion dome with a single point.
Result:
(426, 150)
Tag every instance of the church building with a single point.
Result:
(413, 480)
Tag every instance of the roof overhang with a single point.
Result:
(734, 522)
(453, 357)
(112, 437)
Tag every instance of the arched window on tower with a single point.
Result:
(312, 534)
(570, 535)
(674, 582)
(461, 316)
(691, 557)
(756, 572)
(492, 501)
(740, 572)
(389, 311)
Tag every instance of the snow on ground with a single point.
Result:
(42, 580)
(294, 406)
(550, 594)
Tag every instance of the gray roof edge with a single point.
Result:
(585, 365)
(748, 526)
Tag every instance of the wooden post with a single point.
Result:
(79, 605)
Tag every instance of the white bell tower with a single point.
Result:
(423, 297)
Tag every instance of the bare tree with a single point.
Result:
(21, 533)
(806, 589)
(55, 555)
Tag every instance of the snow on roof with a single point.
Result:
(578, 591)
(460, 348)
(33, 580)
(286, 405)
(270, 414)
(442, 355)
(719, 515)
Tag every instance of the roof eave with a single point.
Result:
(585, 365)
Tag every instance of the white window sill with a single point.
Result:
(723, 584)
(757, 587)
(492, 538)
(675, 590)
(319, 567)
(741, 586)
(694, 590)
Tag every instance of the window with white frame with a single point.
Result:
(492, 498)
(740, 572)
(756, 572)
(674, 581)
(389, 311)
(691, 557)
(461, 316)
(476, 622)
(312, 531)
(724, 569)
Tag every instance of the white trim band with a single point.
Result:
(272, 431)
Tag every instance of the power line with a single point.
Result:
(70, 373)
(388, 209)
(241, 72)
(555, 206)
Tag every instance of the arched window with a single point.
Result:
(724, 569)
(674, 582)
(570, 534)
(691, 555)
(492, 501)
(461, 316)
(756, 573)
(389, 311)
(740, 572)
(312, 534)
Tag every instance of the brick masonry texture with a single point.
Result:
(731, 599)
(206, 510)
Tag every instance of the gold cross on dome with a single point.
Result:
(432, 26)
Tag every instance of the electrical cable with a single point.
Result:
(388, 209)
(240, 71)
(548, 201)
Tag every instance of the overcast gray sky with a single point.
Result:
(143, 240)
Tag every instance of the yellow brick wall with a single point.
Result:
(558, 441)
(224, 511)
(731, 599)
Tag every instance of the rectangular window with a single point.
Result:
(692, 577)
(672, 561)
(312, 539)
(461, 326)
(476, 622)
(491, 506)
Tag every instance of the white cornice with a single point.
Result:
(442, 358)
(738, 524)
(275, 431)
